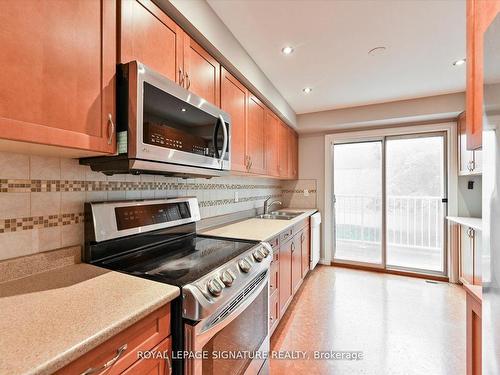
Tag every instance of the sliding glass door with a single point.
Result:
(415, 187)
(358, 202)
(389, 203)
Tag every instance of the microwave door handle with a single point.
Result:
(226, 139)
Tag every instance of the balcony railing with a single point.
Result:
(412, 222)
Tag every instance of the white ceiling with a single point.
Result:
(332, 40)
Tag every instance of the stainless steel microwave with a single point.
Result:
(163, 128)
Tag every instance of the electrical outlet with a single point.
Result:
(236, 198)
(306, 192)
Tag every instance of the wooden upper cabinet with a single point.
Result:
(233, 100)
(58, 73)
(293, 161)
(480, 14)
(255, 135)
(201, 72)
(148, 35)
(283, 150)
(271, 136)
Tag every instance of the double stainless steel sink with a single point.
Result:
(280, 215)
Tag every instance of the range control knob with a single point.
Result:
(258, 255)
(265, 251)
(244, 265)
(227, 278)
(214, 288)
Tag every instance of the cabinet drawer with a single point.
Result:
(156, 365)
(274, 279)
(275, 242)
(143, 335)
(286, 235)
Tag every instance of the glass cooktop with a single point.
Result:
(179, 261)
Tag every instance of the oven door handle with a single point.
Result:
(207, 333)
(226, 139)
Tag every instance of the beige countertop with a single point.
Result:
(258, 229)
(49, 319)
(473, 222)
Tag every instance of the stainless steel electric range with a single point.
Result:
(220, 321)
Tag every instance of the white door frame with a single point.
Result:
(452, 176)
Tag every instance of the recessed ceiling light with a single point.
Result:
(307, 90)
(183, 109)
(287, 50)
(459, 62)
(380, 50)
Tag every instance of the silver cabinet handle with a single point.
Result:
(188, 82)
(107, 365)
(470, 232)
(111, 128)
(293, 246)
(226, 139)
(472, 165)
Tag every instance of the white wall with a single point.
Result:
(199, 20)
(312, 167)
(433, 108)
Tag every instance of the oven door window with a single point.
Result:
(246, 333)
(174, 124)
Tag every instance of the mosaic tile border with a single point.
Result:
(32, 186)
(38, 222)
(48, 221)
(298, 191)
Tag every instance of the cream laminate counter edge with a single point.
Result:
(258, 229)
(49, 319)
(473, 222)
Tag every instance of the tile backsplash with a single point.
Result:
(300, 194)
(42, 198)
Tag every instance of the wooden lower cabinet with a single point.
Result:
(121, 351)
(296, 262)
(305, 250)
(285, 276)
(289, 267)
(274, 311)
(470, 256)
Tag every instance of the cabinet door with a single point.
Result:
(201, 72)
(274, 311)
(297, 261)
(465, 157)
(274, 277)
(271, 136)
(477, 251)
(151, 37)
(283, 150)
(58, 73)
(479, 16)
(466, 255)
(478, 161)
(285, 276)
(158, 365)
(305, 250)
(234, 97)
(255, 135)
(292, 154)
